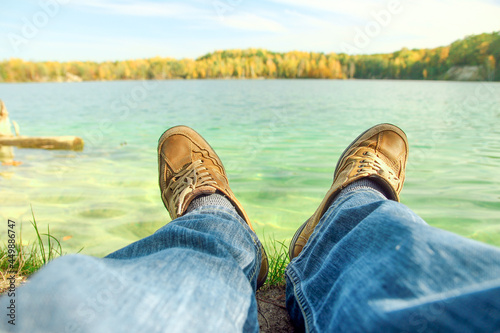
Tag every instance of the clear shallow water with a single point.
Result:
(279, 141)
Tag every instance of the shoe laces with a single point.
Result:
(187, 180)
(369, 162)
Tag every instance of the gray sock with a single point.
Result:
(360, 184)
(210, 200)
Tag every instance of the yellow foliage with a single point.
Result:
(476, 50)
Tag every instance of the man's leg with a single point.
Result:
(364, 263)
(197, 274)
(372, 265)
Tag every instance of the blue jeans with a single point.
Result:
(370, 265)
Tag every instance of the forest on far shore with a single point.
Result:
(474, 57)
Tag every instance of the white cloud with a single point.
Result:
(234, 18)
(141, 8)
(349, 8)
(429, 23)
(193, 27)
(422, 24)
(251, 22)
(303, 20)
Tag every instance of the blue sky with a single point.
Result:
(130, 29)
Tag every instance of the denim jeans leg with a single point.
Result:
(196, 274)
(372, 265)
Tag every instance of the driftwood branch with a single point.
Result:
(56, 142)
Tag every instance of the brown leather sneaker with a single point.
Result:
(189, 167)
(380, 153)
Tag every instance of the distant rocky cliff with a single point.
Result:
(468, 73)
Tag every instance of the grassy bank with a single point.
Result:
(277, 253)
(22, 260)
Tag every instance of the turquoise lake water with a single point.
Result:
(278, 139)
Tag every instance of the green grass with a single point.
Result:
(277, 255)
(31, 257)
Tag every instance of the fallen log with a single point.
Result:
(55, 142)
